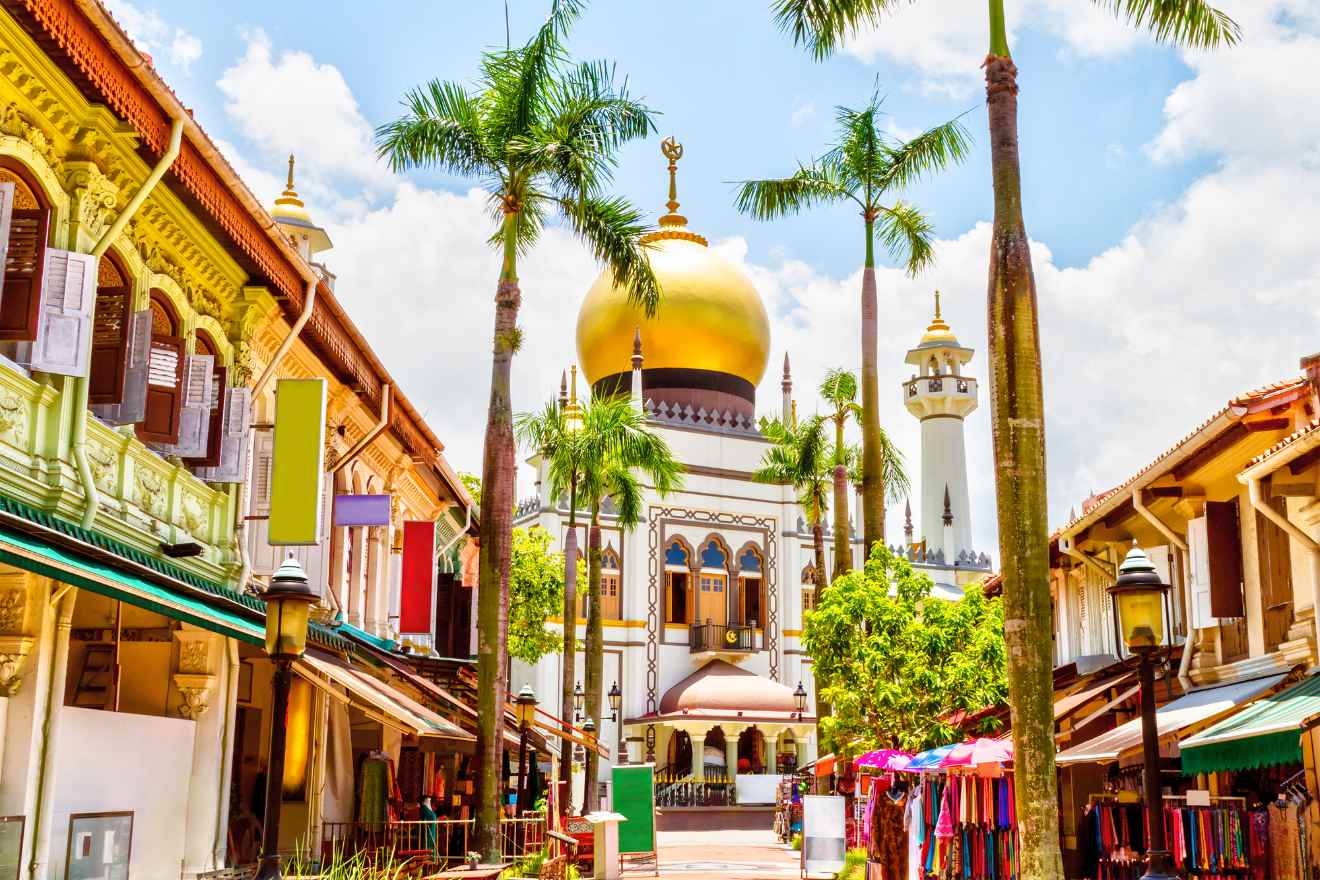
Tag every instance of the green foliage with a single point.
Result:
(472, 483)
(796, 842)
(896, 661)
(854, 865)
(800, 456)
(536, 592)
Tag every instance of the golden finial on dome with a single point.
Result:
(290, 195)
(939, 330)
(673, 151)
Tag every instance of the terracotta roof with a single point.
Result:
(1237, 407)
(1306, 430)
(65, 29)
(719, 686)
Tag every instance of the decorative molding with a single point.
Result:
(196, 692)
(13, 656)
(13, 608)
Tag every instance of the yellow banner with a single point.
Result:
(297, 471)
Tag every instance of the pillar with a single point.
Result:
(338, 560)
(375, 581)
(698, 754)
(39, 860)
(772, 749)
(356, 571)
(198, 678)
(731, 750)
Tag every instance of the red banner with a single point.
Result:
(418, 586)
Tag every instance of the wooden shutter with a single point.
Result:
(160, 423)
(64, 328)
(232, 464)
(1225, 549)
(25, 254)
(1276, 587)
(132, 407)
(263, 464)
(215, 430)
(195, 411)
(7, 192)
(111, 323)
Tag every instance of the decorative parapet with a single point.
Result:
(146, 500)
(720, 421)
(965, 559)
(527, 508)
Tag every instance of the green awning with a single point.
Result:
(70, 567)
(1264, 733)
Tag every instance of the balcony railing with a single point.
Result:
(712, 789)
(733, 638)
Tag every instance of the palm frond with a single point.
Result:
(809, 186)
(442, 127)
(839, 389)
(930, 151)
(823, 25)
(612, 229)
(528, 222)
(1192, 23)
(525, 74)
(907, 235)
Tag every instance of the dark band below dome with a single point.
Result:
(715, 392)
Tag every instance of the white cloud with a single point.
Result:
(286, 103)
(151, 34)
(802, 111)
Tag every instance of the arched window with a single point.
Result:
(678, 585)
(216, 400)
(809, 574)
(712, 597)
(111, 325)
(713, 555)
(611, 602)
(749, 601)
(676, 554)
(28, 232)
(160, 424)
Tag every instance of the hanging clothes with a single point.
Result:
(889, 837)
(912, 818)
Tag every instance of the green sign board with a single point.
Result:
(634, 797)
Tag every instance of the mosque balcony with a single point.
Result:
(942, 395)
(718, 639)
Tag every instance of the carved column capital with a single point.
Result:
(195, 650)
(196, 692)
(13, 656)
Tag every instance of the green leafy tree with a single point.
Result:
(1017, 410)
(472, 483)
(542, 135)
(840, 393)
(893, 661)
(536, 592)
(867, 167)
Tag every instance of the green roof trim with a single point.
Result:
(318, 633)
(1264, 733)
(362, 635)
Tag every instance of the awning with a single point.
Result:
(378, 698)
(31, 553)
(1067, 705)
(1195, 707)
(1264, 733)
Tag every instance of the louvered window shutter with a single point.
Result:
(1198, 575)
(263, 452)
(232, 466)
(64, 330)
(110, 332)
(1225, 550)
(160, 424)
(195, 412)
(20, 302)
(133, 406)
(210, 456)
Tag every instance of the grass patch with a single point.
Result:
(854, 865)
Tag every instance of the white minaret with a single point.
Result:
(940, 396)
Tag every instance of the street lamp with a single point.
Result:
(616, 709)
(1138, 594)
(579, 697)
(800, 699)
(526, 711)
(588, 734)
(289, 600)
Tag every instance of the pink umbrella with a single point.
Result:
(978, 752)
(884, 759)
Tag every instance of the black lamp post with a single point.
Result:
(289, 600)
(800, 698)
(579, 698)
(588, 734)
(526, 710)
(1139, 596)
(616, 706)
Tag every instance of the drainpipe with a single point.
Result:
(62, 602)
(78, 440)
(379, 428)
(1252, 477)
(226, 755)
(1185, 663)
(309, 302)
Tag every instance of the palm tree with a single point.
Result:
(799, 457)
(543, 136)
(866, 166)
(1017, 404)
(552, 434)
(840, 391)
(616, 448)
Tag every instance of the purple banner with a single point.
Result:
(362, 510)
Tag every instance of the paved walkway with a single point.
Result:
(722, 855)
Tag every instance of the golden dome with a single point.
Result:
(288, 206)
(710, 317)
(938, 333)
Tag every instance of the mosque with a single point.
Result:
(703, 601)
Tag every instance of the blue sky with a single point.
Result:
(1171, 197)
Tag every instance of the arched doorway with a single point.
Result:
(680, 753)
(751, 752)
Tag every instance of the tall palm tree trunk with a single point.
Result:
(818, 540)
(496, 546)
(564, 796)
(873, 483)
(1017, 418)
(842, 532)
(595, 660)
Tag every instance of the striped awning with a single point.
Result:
(1264, 733)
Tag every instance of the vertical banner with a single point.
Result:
(296, 470)
(415, 614)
